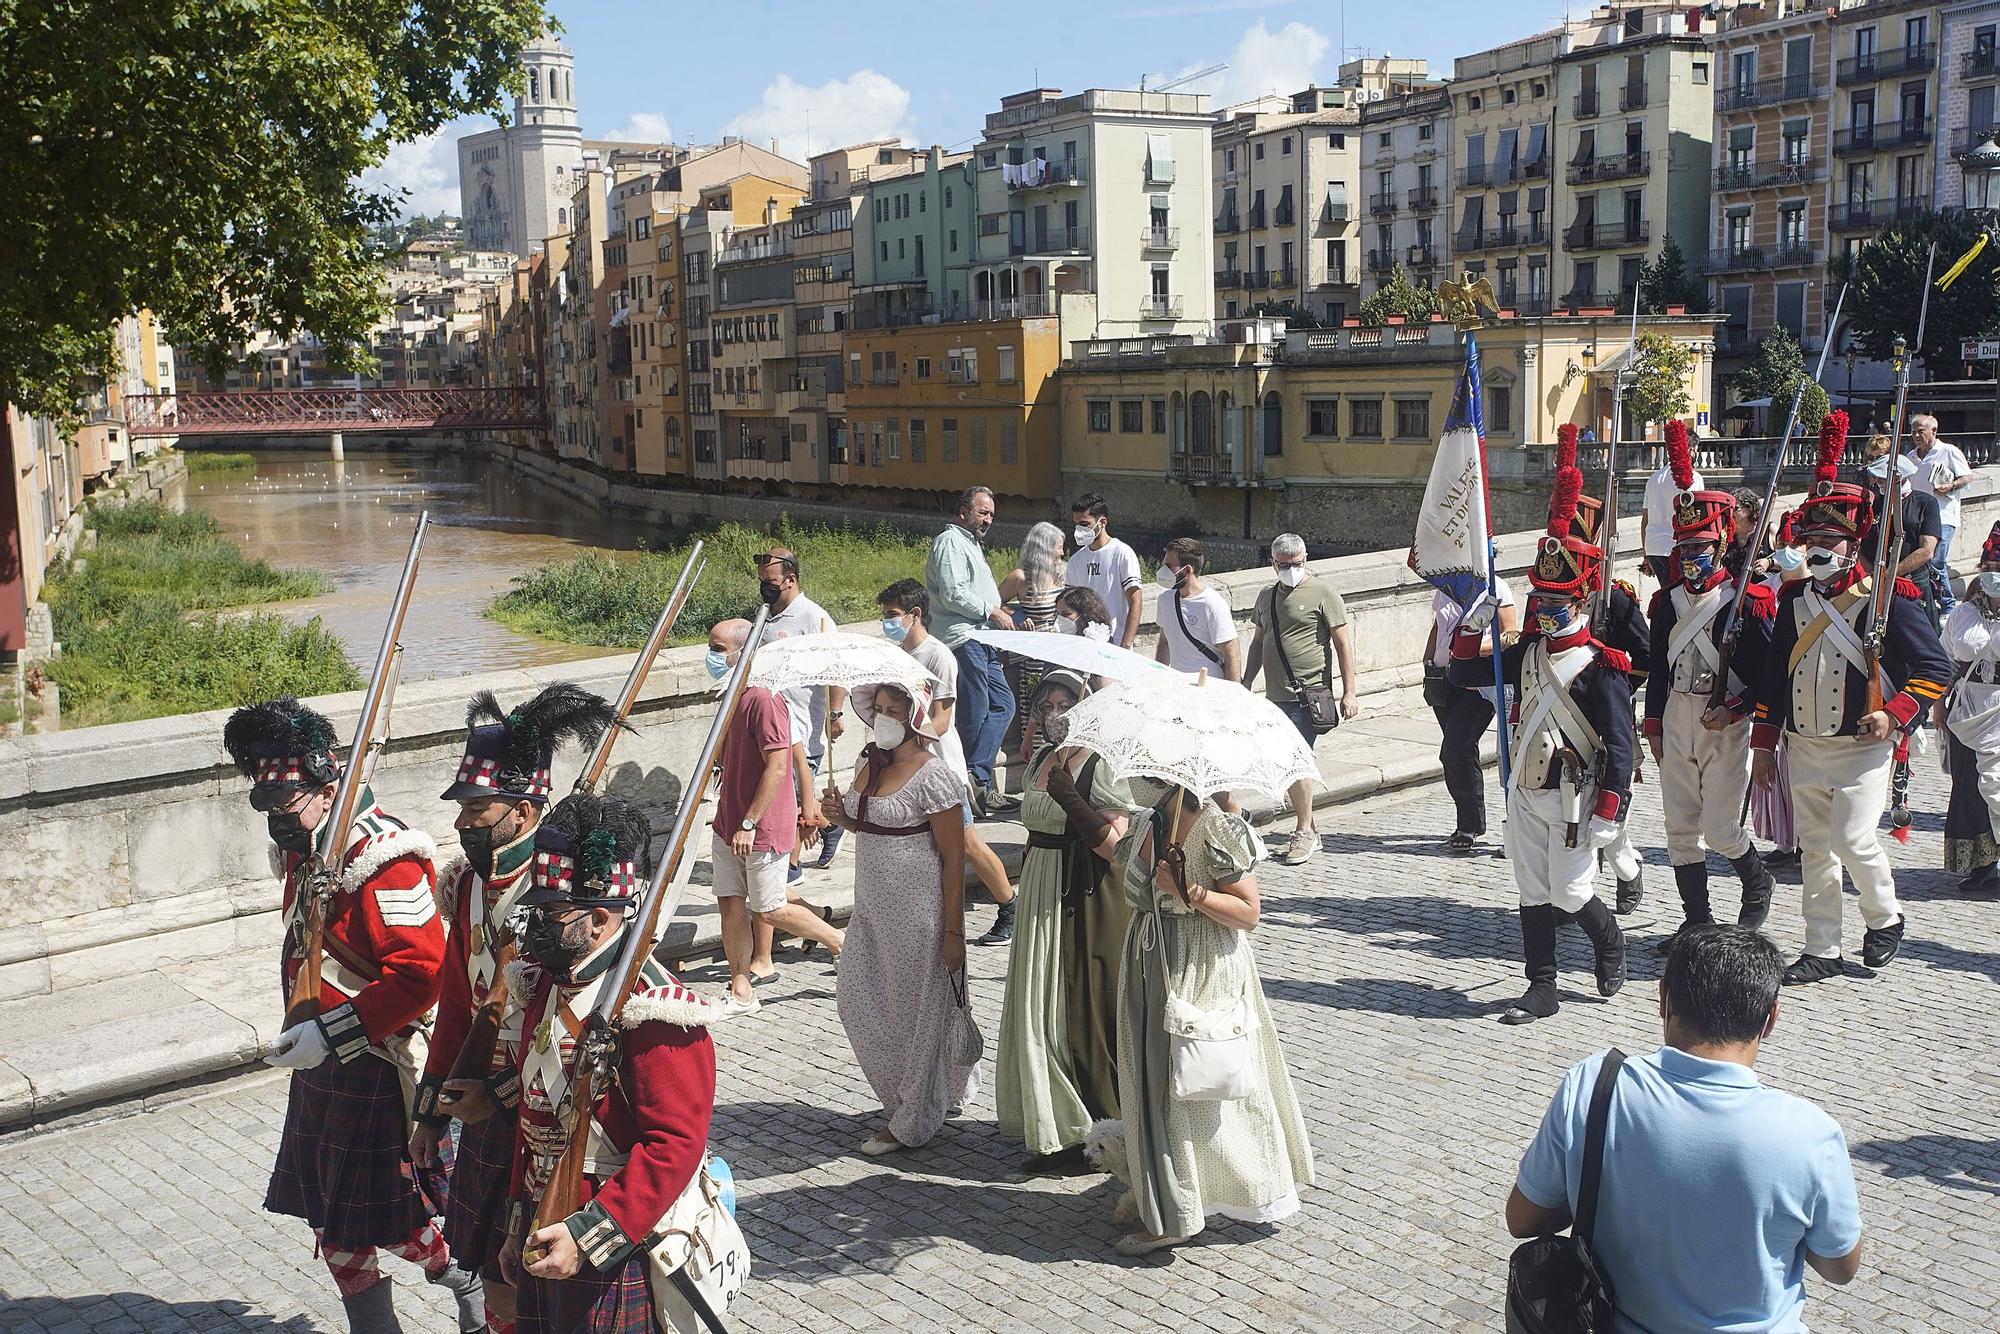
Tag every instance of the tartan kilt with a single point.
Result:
(475, 1212)
(344, 1157)
(620, 1302)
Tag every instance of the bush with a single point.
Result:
(209, 461)
(149, 551)
(612, 600)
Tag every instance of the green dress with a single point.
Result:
(1189, 1161)
(1056, 1072)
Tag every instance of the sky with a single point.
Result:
(814, 75)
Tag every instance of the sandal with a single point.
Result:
(806, 943)
(1460, 841)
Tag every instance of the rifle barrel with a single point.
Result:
(628, 695)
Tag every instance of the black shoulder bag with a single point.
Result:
(1321, 705)
(1207, 651)
(1553, 1283)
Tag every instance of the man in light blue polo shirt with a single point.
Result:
(1717, 1191)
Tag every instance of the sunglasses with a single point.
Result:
(763, 558)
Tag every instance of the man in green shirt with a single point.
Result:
(1301, 628)
(964, 597)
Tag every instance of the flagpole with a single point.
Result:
(1492, 579)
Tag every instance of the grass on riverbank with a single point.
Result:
(141, 638)
(202, 461)
(612, 598)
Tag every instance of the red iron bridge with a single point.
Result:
(331, 411)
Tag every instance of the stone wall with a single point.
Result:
(124, 844)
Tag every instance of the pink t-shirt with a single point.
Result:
(762, 724)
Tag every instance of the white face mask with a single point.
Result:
(1066, 625)
(1291, 576)
(1084, 534)
(1167, 578)
(888, 732)
(1825, 563)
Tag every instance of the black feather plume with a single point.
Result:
(561, 713)
(593, 826)
(273, 728)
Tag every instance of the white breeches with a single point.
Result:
(1544, 870)
(1621, 853)
(1839, 785)
(1703, 776)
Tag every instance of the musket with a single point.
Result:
(1732, 627)
(1607, 529)
(1887, 540)
(475, 1054)
(597, 1043)
(320, 875)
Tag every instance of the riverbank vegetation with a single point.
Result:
(138, 621)
(612, 598)
(201, 462)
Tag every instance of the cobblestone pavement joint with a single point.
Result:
(1385, 960)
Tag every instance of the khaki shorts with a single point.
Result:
(759, 879)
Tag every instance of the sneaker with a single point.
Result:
(1883, 944)
(1002, 929)
(1811, 969)
(996, 802)
(829, 847)
(1299, 848)
(794, 874)
(733, 1006)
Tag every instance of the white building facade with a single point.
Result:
(516, 183)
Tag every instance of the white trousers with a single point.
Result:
(1703, 776)
(1621, 853)
(1839, 785)
(1544, 870)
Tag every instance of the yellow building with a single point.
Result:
(939, 407)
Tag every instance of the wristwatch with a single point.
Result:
(838, 713)
(748, 826)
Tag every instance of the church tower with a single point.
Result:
(515, 183)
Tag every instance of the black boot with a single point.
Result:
(1002, 929)
(373, 1310)
(1607, 943)
(1538, 948)
(468, 1291)
(1692, 882)
(1758, 884)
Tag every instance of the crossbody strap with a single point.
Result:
(1593, 1145)
(1284, 659)
(1207, 651)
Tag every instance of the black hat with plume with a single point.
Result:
(590, 851)
(281, 744)
(508, 753)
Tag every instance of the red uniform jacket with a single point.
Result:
(651, 1125)
(384, 940)
(473, 908)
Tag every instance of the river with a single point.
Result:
(352, 521)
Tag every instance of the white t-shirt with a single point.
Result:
(1945, 463)
(1660, 493)
(1208, 618)
(937, 660)
(803, 617)
(1448, 614)
(1109, 571)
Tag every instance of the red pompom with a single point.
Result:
(1565, 446)
(1832, 444)
(1562, 504)
(1679, 457)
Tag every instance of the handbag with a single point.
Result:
(699, 1260)
(1553, 1283)
(1209, 1053)
(1321, 705)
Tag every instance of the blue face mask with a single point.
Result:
(1697, 569)
(717, 663)
(1552, 618)
(894, 630)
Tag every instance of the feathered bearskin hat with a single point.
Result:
(507, 754)
(281, 746)
(1833, 508)
(1698, 515)
(1589, 509)
(1566, 563)
(589, 851)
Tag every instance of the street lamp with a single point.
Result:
(1980, 169)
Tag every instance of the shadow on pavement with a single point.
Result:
(134, 1310)
(1387, 995)
(1952, 1161)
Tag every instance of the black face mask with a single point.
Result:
(543, 937)
(480, 840)
(770, 593)
(289, 832)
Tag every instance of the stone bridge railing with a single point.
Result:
(128, 846)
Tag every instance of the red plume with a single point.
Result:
(1832, 444)
(1679, 457)
(1562, 504)
(1565, 446)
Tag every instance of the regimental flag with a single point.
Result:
(1452, 550)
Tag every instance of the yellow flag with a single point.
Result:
(1964, 260)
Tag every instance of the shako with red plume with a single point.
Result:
(1699, 516)
(1834, 509)
(1589, 509)
(1566, 563)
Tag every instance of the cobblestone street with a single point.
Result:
(1385, 961)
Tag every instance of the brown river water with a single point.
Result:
(353, 520)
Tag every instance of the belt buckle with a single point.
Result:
(1703, 682)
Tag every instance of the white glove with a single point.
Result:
(1479, 616)
(1603, 833)
(300, 1047)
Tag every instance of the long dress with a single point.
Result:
(896, 1000)
(1049, 1086)
(1972, 741)
(1190, 1161)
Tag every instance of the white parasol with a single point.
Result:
(1091, 657)
(835, 658)
(1204, 734)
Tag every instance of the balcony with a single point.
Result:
(1284, 216)
(1257, 222)
(1229, 222)
(1606, 235)
(1159, 306)
(1040, 174)
(1886, 64)
(1257, 279)
(1869, 214)
(1054, 241)
(1382, 204)
(1632, 97)
(1472, 178)
(1202, 468)
(1160, 238)
(1229, 277)
(1420, 256)
(1743, 259)
(1586, 105)
(1879, 138)
(1769, 93)
(1754, 175)
(1538, 170)
(1615, 167)
(1381, 261)
(1574, 301)
(1980, 63)
(1424, 198)
(1035, 306)
(1500, 238)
